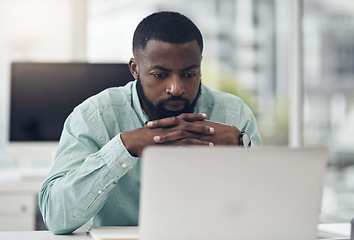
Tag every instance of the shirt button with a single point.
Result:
(124, 165)
(100, 191)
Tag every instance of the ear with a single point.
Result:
(133, 66)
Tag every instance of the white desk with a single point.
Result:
(42, 235)
(83, 235)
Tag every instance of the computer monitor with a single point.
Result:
(42, 95)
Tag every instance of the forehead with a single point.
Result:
(169, 55)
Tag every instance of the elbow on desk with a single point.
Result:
(57, 226)
(54, 220)
(59, 231)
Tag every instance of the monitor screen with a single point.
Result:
(44, 94)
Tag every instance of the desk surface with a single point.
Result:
(343, 229)
(43, 235)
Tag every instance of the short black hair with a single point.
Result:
(166, 26)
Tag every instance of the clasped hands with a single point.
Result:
(184, 129)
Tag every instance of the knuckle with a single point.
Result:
(182, 133)
(206, 128)
(175, 119)
(183, 115)
(188, 141)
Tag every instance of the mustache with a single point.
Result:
(175, 98)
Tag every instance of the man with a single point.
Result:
(96, 172)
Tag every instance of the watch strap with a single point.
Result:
(244, 139)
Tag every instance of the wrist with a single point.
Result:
(130, 143)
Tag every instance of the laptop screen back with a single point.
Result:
(231, 193)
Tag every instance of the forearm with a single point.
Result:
(69, 198)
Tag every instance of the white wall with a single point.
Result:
(32, 30)
(111, 26)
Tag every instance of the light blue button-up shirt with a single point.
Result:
(94, 175)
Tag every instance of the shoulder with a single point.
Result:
(220, 99)
(230, 109)
(223, 107)
(115, 97)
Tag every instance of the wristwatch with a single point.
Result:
(244, 140)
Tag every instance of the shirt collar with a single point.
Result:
(205, 102)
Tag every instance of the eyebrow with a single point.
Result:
(190, 67)
(160, 68)
(169, 70)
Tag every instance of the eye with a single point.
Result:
(159, 75)
(190, 75)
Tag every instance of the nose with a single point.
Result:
(175, 86)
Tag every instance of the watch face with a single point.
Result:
(245, 140)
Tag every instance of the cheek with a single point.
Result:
(192, 88)
(153, 90)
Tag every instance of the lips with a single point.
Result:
(174, 105)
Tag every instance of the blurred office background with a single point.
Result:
(247, 53)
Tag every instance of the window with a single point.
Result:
(247, 53)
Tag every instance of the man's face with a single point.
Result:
(168, 77)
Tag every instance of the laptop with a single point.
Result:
(231, 193)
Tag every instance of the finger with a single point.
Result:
(191, 117)
(195, 127)
(184, 133)
(189, 141)
(174, 121)
(164, 123)
(172, 136)
(194, 141)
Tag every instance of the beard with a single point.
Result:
(158, 111)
